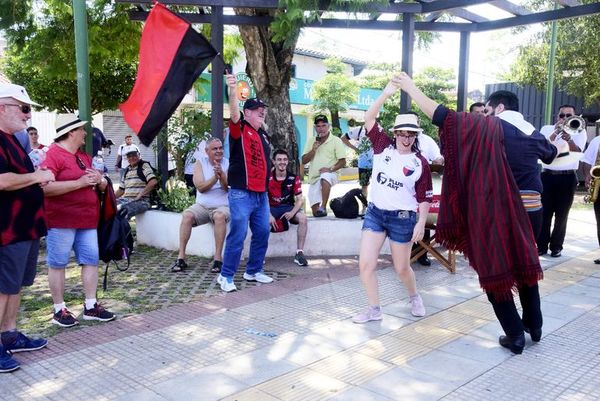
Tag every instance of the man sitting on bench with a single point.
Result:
(212, 205)
(285, 201)
(139, 180)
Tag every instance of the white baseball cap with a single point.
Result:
(17, 92)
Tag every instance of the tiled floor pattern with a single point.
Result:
(319, 354)
(434, 346)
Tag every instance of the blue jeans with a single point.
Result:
(246, 207)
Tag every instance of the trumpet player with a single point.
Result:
(560, 181)
(591, 160)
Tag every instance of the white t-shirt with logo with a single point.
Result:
(123, 150)
(395, 177)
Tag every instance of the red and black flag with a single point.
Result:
(172, 56)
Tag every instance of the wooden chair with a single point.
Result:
(449, 261)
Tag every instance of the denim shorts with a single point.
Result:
(60, 241)
(397, 224)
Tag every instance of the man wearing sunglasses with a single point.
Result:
(23, 222)
(559, 183)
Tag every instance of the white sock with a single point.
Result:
(59, 307)
(299, 250)
(90, 303)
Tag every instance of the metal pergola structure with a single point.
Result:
(376, 16)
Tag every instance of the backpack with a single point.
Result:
(115, 240)
(154, 198)
(346, 207)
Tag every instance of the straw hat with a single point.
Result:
(406, 122)
(66, 123)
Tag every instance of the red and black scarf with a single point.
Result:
(481, 213)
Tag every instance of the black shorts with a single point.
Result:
(278, 211)
(18, 265)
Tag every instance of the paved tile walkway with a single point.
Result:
(294, 340)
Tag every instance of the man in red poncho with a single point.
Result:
(491, 202)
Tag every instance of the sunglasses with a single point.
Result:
(25, 108)
(79, 162)
(565, 115)
(409, 136)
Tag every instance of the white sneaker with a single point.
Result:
(260, 277)
(417, 307)
(227, 284)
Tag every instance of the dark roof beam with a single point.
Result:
(569, 3)
(394, 8)
(544, 16)
(510, 7)
(440, 5)
(433, 16)
(206, 18)
(461, 13)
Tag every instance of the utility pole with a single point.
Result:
(83, 70)
(550, 81)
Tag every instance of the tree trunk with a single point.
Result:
(335, 119)
(270, 67)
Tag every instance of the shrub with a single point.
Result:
(176, 197)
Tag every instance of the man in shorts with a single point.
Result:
(22, 225)
(285, 202)
(326, 154)
(212, 205)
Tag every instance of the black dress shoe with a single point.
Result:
(514, 344)
(424, 261)
(597, 261)
(542, 253)
(536, 334)
(555, 254)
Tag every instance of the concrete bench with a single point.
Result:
(326, 236)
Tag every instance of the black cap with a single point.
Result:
(321, 117)
(254, 103)
(131, 152)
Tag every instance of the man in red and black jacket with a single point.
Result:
(23, 222)
(248, 175)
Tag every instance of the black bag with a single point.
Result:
(346, 207)
(115, 240)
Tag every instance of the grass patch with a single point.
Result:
(147, 285)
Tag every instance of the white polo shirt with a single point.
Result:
(579, 139)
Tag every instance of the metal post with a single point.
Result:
(83, 71)
(163, 155)
(550, 80)
(216, 39)
(408, 41)
(463, 71)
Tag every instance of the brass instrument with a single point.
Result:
(573, 125)
(594, 189)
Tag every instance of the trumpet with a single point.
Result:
(573, 125)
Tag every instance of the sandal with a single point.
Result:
(178, 266)
(216, 267)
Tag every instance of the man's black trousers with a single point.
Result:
(557, 198)
(506, 310)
